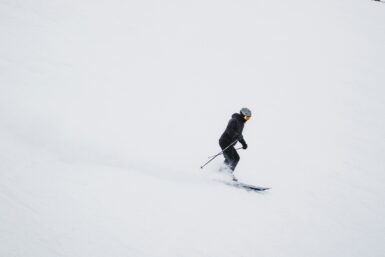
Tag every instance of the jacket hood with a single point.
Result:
(238, 116)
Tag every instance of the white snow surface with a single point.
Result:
(108, 109)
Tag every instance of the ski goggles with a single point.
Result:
(247, 117)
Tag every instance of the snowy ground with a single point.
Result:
(108, 108)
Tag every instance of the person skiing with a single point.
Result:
(231, 136)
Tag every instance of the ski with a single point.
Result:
(247, 187)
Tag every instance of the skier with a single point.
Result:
(231, 136)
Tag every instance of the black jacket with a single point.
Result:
(234, 130)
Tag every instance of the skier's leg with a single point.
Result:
(223, 144)
(227, 161)
(231, 161)
(232, 157)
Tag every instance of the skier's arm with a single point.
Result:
(242, 141)
(233, 127)
(233, 130)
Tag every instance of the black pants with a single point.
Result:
(231, 155)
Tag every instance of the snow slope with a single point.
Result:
(108, 108)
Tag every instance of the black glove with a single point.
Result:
(244, 146)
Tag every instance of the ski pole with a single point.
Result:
(215, 156)
(239, 148)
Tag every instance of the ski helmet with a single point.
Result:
(246, 112)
